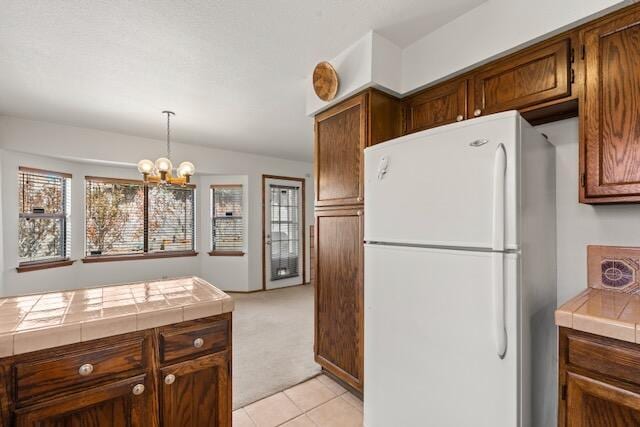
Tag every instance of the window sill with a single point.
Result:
(226, 253)
(33, 266)
(134, 257)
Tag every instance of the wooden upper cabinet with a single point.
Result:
(340, 138)
(533, 77)
(197, 393)
(610, 111)
(339, 301)
(594, 403)
(440, 105)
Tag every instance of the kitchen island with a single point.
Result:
(139, 354)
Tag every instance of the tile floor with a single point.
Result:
(319, 402)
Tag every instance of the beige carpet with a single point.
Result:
(272, 342)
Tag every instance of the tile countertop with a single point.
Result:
(35, 322)
(602, 312)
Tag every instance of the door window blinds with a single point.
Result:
(285, 231)
(227, 223)
(44, 205)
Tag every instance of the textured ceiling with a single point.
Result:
(234, 71)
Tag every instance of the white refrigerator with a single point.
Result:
(460, 277)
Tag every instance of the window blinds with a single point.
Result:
(115, 217)
(43, 205)
(171, 218)
(227, 226)
(125, 217)
(285, 231)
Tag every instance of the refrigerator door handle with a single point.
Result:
(499, 178)
(498, 304)
(499, 181)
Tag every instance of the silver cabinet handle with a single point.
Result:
(459, 118)
(138, 389)
(477, 112)
(85, 369)
(170, 379)
(198, 342)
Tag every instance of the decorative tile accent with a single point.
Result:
(34, 322)
(613, 268)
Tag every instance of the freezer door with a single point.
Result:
(437, 187)
(432, 357)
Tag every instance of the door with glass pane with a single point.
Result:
(283, 232)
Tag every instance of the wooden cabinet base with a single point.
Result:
(124, 381)
(599, 381)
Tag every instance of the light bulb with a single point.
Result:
(145, 167)
(186, 169)
(163, 165)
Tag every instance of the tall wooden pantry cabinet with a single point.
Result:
(341, 135)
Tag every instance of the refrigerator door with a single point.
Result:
(438, 187)
(433, 351)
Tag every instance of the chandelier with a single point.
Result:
(162, 170)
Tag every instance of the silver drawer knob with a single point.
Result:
(477, 112)
(198, 342)
(85, 369)
(170, 379)
(459, 118)
(138, 389)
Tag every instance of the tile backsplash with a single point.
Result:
(614, 268)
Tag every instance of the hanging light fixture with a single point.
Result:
(162, 170)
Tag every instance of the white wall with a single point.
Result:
(90, 152)
(492, 28)
(579, 225)
(228, 272)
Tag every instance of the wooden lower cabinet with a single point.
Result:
(196, 392)
(339, 308)
(599, 382)
(127, 382)
(596, 403)
(111, 405)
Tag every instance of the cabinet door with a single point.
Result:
(440, 105)
(611, 135)
(197, 393)
(340, 294)
(532, 77)
(592, 403)
(341, 135)
(111, 405)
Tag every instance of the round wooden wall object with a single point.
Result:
(325, 81)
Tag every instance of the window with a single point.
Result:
(171, 218)
(227, 225)
(44, 206)
(125, 217)
(115, 217)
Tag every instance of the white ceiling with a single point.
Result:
(233, 71)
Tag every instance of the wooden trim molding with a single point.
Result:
(42, 265)
(44, 172)
(226, 253)
(113, 180)
(134, 257)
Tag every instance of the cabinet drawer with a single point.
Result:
(68, 371)
(195, 340)
(605, 356)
